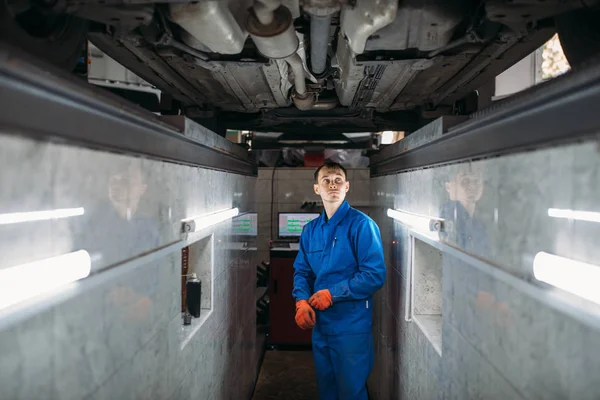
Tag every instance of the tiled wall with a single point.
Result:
(118, 333)
(504, 334)
(289, 188)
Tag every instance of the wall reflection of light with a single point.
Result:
(15, 218)
(573, 276)
(573, 214)
(26, 281)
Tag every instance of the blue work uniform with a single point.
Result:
(343, 254)
(467, 232)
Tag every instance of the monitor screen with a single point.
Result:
(291, 224)
(245, 225)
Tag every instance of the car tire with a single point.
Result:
(579, 34)
(60, 40)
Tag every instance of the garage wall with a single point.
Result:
(118, 334)
(505, 335)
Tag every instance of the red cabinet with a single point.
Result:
(282, 306)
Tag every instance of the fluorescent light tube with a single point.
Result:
(418, 222)
(207, 220)
(32, 279)
(573, 214)
(15, 218)
(573, 276)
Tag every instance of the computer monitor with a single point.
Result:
(291, 224)
(245, 225)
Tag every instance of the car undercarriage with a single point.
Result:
(320, 67)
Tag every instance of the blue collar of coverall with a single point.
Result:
(338, 216)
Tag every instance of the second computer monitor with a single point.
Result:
(245, 225)
(291, 224)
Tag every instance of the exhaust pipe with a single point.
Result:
(272, 30)
(271, 27)
(264, 10)
(295, 63)
(319, 41)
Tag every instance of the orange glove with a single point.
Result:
(305, 315)
(321, 300)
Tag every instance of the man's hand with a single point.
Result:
(305, 315)
(321, 300)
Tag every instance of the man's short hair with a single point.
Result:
(330, 165)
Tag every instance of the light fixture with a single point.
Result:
(573, 276)
(312, 141)
(25, 281)
(15, 218)
(206, 220)
(422, 223)
(573, 214)
(387, 137)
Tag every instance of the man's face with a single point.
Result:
(466, 187)
(332, 185)
(125, 189)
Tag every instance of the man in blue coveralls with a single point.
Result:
(339, 266)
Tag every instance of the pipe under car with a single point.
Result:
(271, 27)
(319, 42)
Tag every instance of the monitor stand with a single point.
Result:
(291, 244)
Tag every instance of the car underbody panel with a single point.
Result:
(330, 65)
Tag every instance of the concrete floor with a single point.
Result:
(287, 375)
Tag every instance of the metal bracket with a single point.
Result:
(557, 111)
(366, 18)
(41, 101)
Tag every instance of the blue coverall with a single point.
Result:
(343, 254)
(468, 232)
